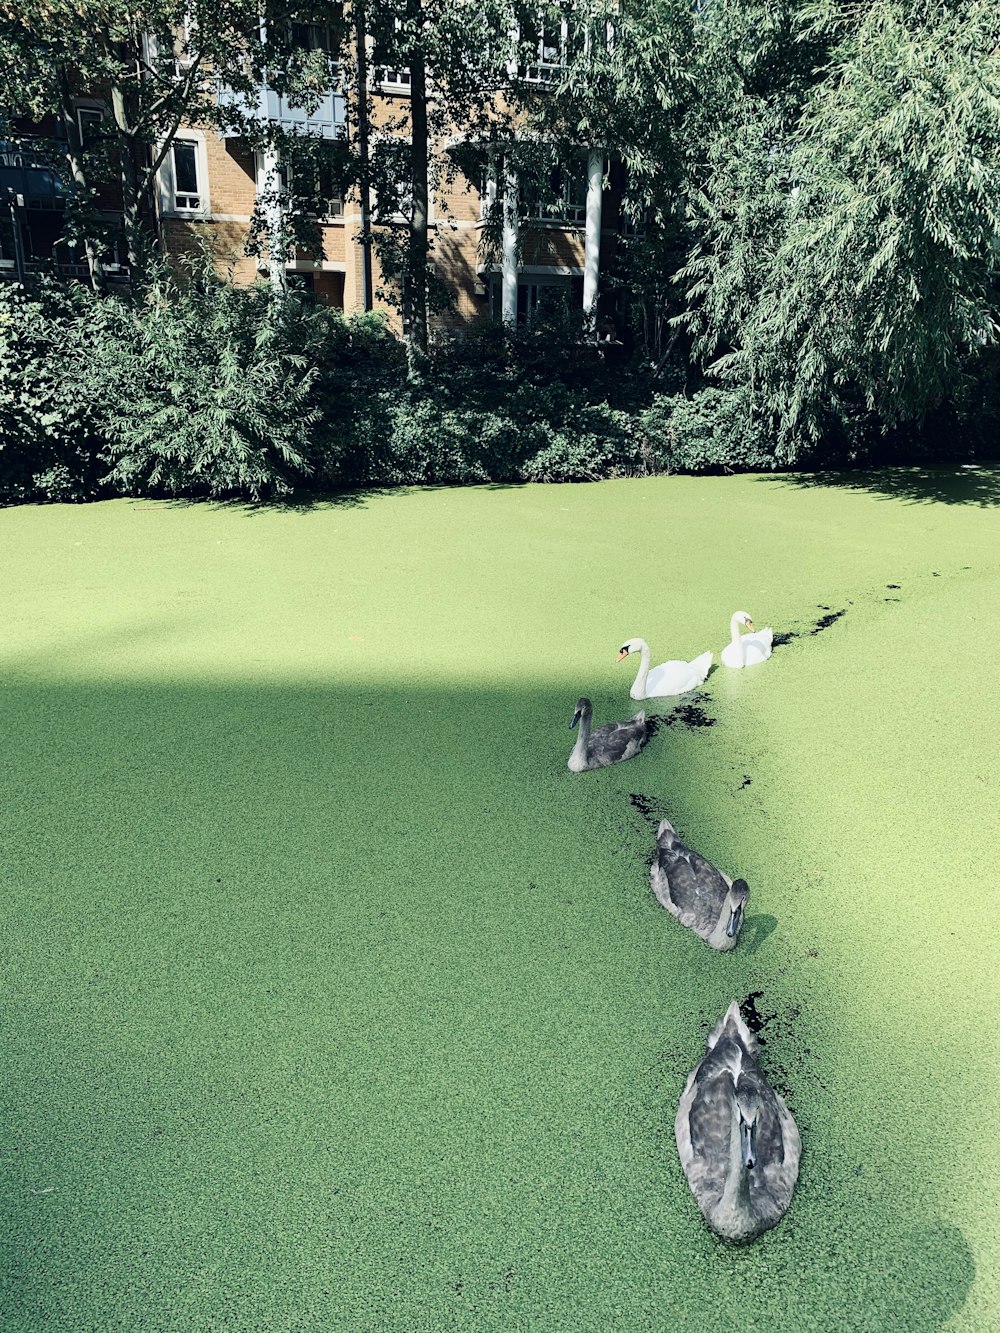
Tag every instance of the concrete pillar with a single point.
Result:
(592, 236)
(270, 184)
(510, 240)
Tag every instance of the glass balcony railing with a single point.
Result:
(328, 120)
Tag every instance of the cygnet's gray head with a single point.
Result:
(748, 1110)
(584, 708)
(736, 900)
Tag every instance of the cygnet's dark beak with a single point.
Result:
(735, 921)
(576, 719)
(748, 1146)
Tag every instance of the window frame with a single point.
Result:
(169, 194)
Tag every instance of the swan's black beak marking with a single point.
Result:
(622, 654)
(576, 719)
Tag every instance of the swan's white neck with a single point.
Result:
(737, 640)
(638, 690)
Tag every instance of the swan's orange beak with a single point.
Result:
(622, 655)
(750, 626)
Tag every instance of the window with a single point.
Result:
(328, 191)
(538, 295)
(635, 226)
(184, 158)
(549, 47)
(389, 71)
(311, 37)
(185, 41)
(393, 191)
(554, 41)
(560, 198)
(89, 119)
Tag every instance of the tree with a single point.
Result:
(845, 259)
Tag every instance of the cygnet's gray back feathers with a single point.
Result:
(697, 893)
(607, 744)
(727, 1075)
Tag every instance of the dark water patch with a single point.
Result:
(891, 599)
(826, 621)
(654, 721)
(690, 714)
(894, 586)
(783, 637)
(935, 574)
(648, 807)
(754, 1019)
(745, 782)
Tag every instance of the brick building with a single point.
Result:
(210, 182)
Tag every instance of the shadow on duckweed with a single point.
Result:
(969, 484)
(354, 983)
(756, 929)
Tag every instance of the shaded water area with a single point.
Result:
(331, 999)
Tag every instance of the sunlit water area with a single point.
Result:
(332, 1000)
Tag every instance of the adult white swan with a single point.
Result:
(674, 677)
(746, 649)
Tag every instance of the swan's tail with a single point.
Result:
(733, 1025)
(702, 665)
(665, 835)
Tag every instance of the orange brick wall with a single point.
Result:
(455, 230)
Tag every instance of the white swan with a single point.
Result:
(746, 649)
(673, 677)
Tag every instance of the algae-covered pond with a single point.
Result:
(331, 1000)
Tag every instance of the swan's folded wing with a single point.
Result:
(778, 1149)
(697, 889)
(618, 740)
(709, 1118)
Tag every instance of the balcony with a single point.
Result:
(26, 173)
(328, 120)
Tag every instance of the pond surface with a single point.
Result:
(333, 1001)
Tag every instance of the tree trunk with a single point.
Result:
(415, 283)
(74, 156)
(133, 187)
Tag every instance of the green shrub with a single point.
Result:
(207, 389)
(713, 430)
(48, 427)
(594, 443)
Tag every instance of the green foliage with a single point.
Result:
(596, 442)
(712, 431)
(48, 448)
(844, 259)
(207, 390)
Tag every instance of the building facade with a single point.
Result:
(555, 244)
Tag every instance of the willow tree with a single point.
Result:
(845, 244)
